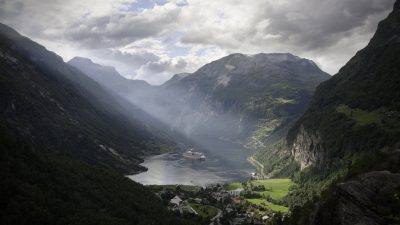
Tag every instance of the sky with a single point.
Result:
(154, 39)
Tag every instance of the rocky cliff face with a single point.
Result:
(350, 134)
(307, 149)
(371, 198)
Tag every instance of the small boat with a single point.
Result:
(190, 154)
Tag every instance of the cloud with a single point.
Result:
(323, 23)
(124, 28)
(319, 25)
(151, 40)
(158, 72)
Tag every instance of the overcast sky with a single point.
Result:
(154, 39)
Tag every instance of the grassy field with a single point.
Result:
(204, 211)
(276, 189)
(279, 187)
(360, 116)
(268, 205)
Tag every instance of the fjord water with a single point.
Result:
(226, 162)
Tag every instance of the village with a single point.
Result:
(251, 202)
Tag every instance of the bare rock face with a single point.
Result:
(370, 199)
(306, 148)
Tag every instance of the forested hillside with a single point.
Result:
(65, 142)
(346, 144)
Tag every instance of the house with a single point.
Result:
(229, 208)
(197, 200)
(236, 192)
(265, 218)
(220, 196)
(176, 201)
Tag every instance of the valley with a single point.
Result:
(240, 139)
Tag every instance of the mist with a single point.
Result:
(223, 100)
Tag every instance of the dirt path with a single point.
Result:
(258, 165)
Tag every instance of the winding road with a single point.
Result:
(258, 165)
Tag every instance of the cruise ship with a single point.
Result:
(190, 154)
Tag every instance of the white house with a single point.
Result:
(235, 192)
(265, 218)
(176, 200)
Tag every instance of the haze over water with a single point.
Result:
(226, 162)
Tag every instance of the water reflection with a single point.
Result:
(225, 163)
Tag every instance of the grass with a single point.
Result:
(268, 205)
(362, 117)
(277, 189)
(204, 211)
(264, 129)
(233, 186)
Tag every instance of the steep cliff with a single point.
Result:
(370, 198)
(358, 109)
(306, 149)
(347, 141)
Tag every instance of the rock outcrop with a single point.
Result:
(307, 149)
(369, 199)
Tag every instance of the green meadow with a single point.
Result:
(275, 188)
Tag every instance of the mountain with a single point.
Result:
(239, 96)
(150, 106)
(242, 98)
(109, 78)
(52, 104)
(175, 79)
(64, 142)
(348, 139)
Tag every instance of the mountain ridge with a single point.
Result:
(50, 91)
(66, 141)
(347, 141)
(237, 79)
(186, 101)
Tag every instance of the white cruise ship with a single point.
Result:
(190, 154)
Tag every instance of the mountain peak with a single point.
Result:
(175, 78)
(8, 31)
(388, 30)
(86, 64)
(277, 56)
(264, 56)
(269, 63)
(80, 59)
